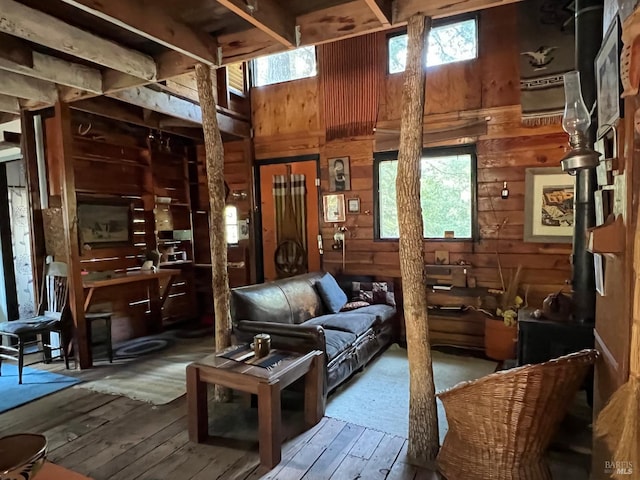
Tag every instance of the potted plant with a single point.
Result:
(501, 332)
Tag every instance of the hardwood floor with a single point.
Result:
(111, 437)
(105, 437)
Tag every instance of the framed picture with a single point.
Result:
(549, 205)
(608, 83)
(353, 205)
(333, 208)
(339, 175)
(104, 222)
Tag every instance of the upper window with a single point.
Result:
(448, 43)
(447, 193)
(285, 66)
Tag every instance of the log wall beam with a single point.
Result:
(56, 70)
(269, 17)
(38, 27)
(149, 21)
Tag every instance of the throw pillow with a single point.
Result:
(354, 305)
(332, 295)
(374, 293)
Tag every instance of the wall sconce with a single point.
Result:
(505, 191)
(576, 121)
(239, 195)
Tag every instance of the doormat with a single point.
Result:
(35, 384)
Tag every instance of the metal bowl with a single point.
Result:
(22, 456)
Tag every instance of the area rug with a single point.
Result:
(35, 384)
(378, 398)
(142, 346)
(157, 379)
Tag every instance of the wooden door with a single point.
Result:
(269, 237)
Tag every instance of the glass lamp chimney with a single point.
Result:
(576, 119)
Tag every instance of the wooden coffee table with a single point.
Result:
(266, 384)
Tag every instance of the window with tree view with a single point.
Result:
(285, 66)
(448, 43)
(447, 193)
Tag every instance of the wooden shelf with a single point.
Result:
(608, 238)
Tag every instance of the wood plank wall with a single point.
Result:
(113, 164)
(237, 173)
(287, 120)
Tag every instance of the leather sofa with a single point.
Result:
(292, 312)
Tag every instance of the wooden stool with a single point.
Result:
(90, 317)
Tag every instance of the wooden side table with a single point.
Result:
(266, 384)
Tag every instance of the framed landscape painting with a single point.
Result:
(549, 206)
(104, 223)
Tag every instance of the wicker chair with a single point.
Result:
(500, 425)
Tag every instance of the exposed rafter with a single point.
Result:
(9, 105)
(38, 27)
(382, 9)
(20, 86)
(149, 21)
(56, 70)
(9, 140)
(267, 16)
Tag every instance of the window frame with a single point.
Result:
(252, 68)
(392, 155)
(226, 225)
(437, 24)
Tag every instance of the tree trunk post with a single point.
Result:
(423, 417)
(214, 152)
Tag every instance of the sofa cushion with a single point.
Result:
(347, 307)
(337, 342)
(374, 293)
(290, 300)
(352, 323)
(332, 295)
(381, 312)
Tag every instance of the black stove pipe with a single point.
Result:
(588, 40)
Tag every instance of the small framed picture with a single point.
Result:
(353, 205)
(333, 208)
(608, 83)
(339, 174)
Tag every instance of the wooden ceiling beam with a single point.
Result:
(56, 70)
(9, 105)
(15, 50)
(404, 9)
(20, 86)
(38, 27)
(151, 22)
(382, 9)
(7, 117)
(108, 108)
(267, 16)
(167, 104)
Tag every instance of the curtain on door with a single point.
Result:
(21, 243)
(291, 224)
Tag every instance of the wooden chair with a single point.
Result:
(500, 425)
(53, 316)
